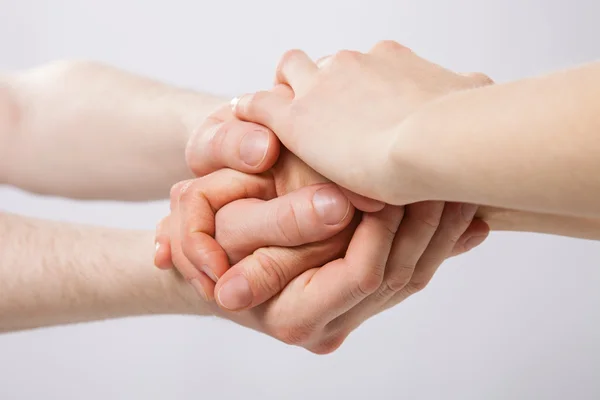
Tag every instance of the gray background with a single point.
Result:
(517, 318)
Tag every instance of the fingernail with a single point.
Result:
(234, 102)
(468, 211)
(331, 205)
(157, 247)
(235, 294)
(253, 148)
(209, 272)
(199, 289)
(474, 242)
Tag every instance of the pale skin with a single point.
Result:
(82, 273)
(48, 149)
(365, 291)
(530, 145)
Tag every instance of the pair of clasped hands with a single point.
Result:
(297, 239)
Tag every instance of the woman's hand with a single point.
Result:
(344, 114)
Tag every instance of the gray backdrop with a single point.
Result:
(517, 318)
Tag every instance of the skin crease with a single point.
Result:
(274, 306)
(319, 307)
(289, 173)
(416, 106)
(72, 274)
(84, 273)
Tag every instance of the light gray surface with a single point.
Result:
(517, 318)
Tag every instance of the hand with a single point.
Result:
(352, 95)
(288, 174)
(249, 231)
(214, 136)
(393, 254)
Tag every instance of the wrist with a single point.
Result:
(157, 291)
(411, 167)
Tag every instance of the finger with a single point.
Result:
(363, 203)
(341, 284)
(297, 70)
(416, 230)
(162, 256)
(307, 215)
(420, 222)
(267, 271)
(475, 234)
(455, 220)
(201, 283)
(198, 203)
(388, 47)
(231, 143)
(264, 108)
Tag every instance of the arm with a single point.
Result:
(55, 273)
(530, 145)
(500, 219)
(86, 130)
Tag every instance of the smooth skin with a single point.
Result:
(530, 145)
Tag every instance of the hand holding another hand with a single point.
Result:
(286, 253)
(344, 115)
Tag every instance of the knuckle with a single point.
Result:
(188, 191)
(294, 334)
(481, 78)
(175, 193)
(430, 219)
(290, 56)
(415, 286)
(273, 277)
(452, 224)
(397, 280)
(328, 344)
(387, 46)
(369, 281)
(287, 223)
(345, 57)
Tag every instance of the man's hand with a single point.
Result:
(249, 231)
(87, 130)
(389, 256)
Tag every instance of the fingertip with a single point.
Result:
(476, 234)
(332, 206)
(258, 149)
(162, 255)
(264, 108)
(363, 203)
(234, 293)
(205, 254)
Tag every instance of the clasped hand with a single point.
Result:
(287, 251)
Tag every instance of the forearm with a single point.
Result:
(86, 130)
(530, 145)
(54, 273)
(524, 221)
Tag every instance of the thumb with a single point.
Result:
(264, 108)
